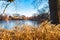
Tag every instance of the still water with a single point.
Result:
(12, 23)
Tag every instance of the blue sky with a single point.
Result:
(22, 7)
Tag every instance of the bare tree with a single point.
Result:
(53, 9)
(7, 0)
(6, 4)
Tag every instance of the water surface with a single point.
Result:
(12, 23)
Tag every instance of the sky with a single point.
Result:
(22, 7)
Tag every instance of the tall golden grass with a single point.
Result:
(45, 31)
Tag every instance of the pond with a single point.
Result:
(12, 23)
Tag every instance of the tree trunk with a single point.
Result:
(5, 8)
(54, 11)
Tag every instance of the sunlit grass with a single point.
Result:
(45, 31)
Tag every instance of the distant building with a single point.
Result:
(16, 15)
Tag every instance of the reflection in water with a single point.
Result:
(6, 24)
(12, 23)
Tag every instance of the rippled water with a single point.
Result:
(12, 23)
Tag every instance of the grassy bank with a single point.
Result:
(45, 31)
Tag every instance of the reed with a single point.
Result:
(45, 31)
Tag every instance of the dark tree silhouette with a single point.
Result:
(7, 0)
(10, 0)
(53, 11)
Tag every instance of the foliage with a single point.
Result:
(40, 17)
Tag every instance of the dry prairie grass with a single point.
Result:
(45, 31)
